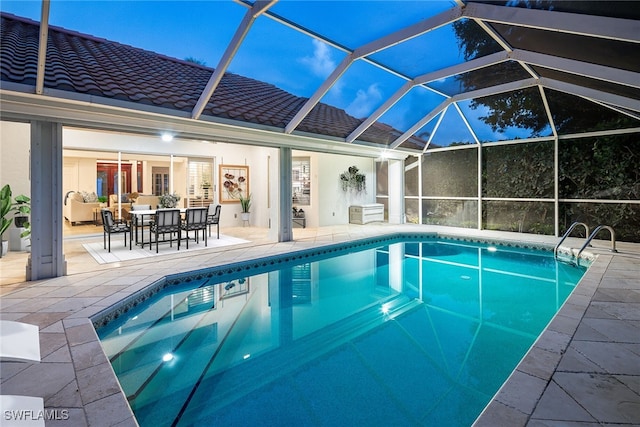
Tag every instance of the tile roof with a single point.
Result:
(85, 64)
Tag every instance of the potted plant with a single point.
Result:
(206, 185)
(245, 204)
(21, 205)
(169, 200)
(5, 222)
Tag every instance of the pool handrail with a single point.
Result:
(595, 232)
(566, 234)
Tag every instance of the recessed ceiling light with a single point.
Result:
(167, 137)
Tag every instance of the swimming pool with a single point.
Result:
(411, 331)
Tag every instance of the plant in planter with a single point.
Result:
(5, 222)
(169, 200)
(206, 185)
(21, 205)
(352, 179)
(245, 205)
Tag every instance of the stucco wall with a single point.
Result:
(14, 151)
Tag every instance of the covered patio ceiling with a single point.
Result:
(418, 75)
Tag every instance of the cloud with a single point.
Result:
(365, 101)
(321, 63)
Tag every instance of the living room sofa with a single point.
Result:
(77, 210)
(127, 203)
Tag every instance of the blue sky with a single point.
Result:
(275, 53)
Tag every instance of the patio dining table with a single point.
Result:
(140, 214)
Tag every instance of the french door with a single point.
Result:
(108, 180)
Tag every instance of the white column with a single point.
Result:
(119, 189)
(171, 176)
(46, 259)
(285, 232)
(396, 191)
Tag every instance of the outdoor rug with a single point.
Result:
(121, 253)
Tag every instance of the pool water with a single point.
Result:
(405, 333)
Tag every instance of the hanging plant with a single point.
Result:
(352, 179)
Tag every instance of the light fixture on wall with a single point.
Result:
(167, 137)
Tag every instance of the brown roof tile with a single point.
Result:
(88, 65)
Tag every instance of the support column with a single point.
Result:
(285, 231)
(396, 191)
(46, 259)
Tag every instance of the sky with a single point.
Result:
(273, 52)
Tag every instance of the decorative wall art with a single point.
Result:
(234, 182)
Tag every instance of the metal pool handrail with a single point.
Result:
(574, 225)
(598, 228)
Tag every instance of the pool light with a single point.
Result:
(167, 357)
(385, 309)
(492, 249)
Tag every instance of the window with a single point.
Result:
(200, 179)
(160, 180)
(301, 178)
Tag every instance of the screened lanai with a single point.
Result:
(516, 116)
(519, 116)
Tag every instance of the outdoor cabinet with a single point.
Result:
(363, 214)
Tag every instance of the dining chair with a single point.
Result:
(166, 221)
(213, 217)
(138, 221)
(111, 226)
(195, 219)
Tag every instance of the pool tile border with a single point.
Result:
(256, 265)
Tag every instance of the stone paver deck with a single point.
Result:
(583, 370)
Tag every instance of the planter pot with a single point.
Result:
(245, 216)
(5, 248)
(20, 221)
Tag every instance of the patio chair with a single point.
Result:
(140, 221)
(195, 219)
(213, 217)
(111, 226)
(166, 221)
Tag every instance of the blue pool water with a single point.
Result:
(399, 333)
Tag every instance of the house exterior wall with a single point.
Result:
(333, 203)
(14, 152)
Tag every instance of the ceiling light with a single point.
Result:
(167, 137)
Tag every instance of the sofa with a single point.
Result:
(150, 200)
(77, 210)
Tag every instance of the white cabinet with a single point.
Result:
(363, 214)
